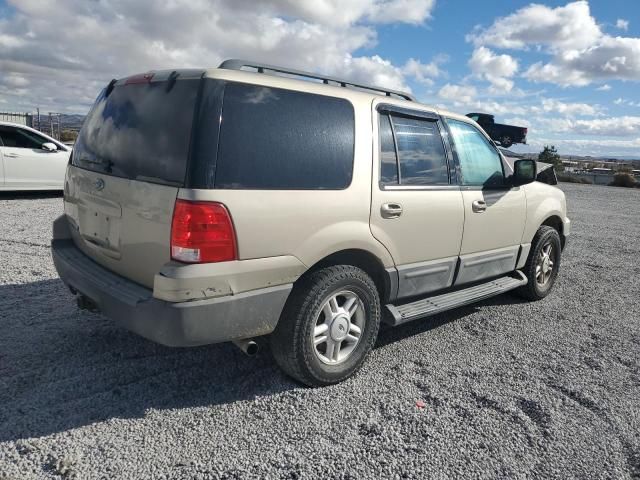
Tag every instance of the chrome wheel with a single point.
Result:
(544, 265)
(338, 327)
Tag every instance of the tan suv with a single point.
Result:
(204, 206)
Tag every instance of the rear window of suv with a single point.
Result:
(272, 138)
(140, 131)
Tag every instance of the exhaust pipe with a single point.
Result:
(247, 345)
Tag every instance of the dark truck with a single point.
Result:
(507, 135)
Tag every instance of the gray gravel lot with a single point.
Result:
(512, 389)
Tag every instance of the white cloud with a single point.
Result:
(622, 24)
(407, 11)
(604, 88)
(522, 122)
(611, 58)
(611, 127)
(624, 101)
(424, 72)
(568, 27)
(459, 94)
(550, 105)
(65, 51)
(497, 69)
(581, 52)
(341, 12)
(373, 70)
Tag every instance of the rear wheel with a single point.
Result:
(543, 264)
(506, 141)
(328, 326)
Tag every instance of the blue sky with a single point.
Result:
(569, 71)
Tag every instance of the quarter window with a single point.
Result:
(280, 139)
(412, 152)
(480, 163)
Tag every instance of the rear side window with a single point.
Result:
(412, 152)
(140, 131)
(280, 139)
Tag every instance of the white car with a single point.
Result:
(31, 160)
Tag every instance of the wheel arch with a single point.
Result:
(385, 279)
(555, 222)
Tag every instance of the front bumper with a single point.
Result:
(176, 324)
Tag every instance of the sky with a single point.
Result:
(569, 71)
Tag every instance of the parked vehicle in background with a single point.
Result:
(31, 160)
(204, 206)
(506, 135)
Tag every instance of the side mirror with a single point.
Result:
(524, 171)
(49, 147)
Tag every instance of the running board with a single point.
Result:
(430, 306)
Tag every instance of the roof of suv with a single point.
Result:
(280, 77)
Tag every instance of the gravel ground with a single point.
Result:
(511, 389)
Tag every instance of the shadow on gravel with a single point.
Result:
(393, 334)
(61, 369)
(24, 195)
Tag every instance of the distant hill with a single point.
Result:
(67, 122)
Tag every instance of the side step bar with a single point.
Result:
(430, 306)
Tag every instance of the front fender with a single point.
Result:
(543, 202)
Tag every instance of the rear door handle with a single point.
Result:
(11, 155)
(478, 206)
(391, 210)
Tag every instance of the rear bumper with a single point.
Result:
(176, 324)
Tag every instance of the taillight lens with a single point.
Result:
(202, 232)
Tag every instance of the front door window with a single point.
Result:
(480, 163)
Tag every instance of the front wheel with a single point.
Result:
(328, 326)
(543, 264)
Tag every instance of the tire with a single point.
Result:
(309, 308)
(536, 289)
(506, 141)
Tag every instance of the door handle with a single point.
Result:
(391, 210)
(11, 155)
(479, 206)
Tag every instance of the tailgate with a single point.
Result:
(124, 225)
(127, 165)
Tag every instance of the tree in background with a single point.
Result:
(68, 135)
(550, 155)
(623, 180)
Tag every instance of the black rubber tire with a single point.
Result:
(290, 343)
(532, 290)
(506, 141)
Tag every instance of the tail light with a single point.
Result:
(202, 232)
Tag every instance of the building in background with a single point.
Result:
(19, 118)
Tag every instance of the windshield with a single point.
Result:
(140, 131)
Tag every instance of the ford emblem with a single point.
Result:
(99, 184)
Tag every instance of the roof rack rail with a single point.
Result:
(235, 64)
